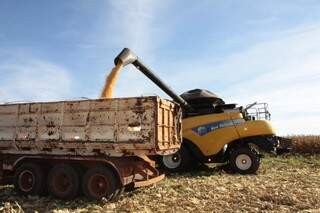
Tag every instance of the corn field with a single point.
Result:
(305, 144)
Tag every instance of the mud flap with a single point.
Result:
(148, 182)
(147, 173)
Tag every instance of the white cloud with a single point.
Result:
(138, 26)
(30, 79)
(290, 84)
(283, 71)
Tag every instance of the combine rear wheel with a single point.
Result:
(99, 182)
(29, 179)
(244, 161)
(63, 181)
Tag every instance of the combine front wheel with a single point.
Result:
(244, 160)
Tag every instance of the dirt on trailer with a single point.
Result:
(284, 184)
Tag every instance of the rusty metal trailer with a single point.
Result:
(95, 146)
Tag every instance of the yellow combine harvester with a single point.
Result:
(215, 132)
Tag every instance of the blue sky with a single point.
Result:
(245, 51)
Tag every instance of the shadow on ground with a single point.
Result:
(48, 204)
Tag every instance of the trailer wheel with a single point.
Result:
(99, 182)
(244, 161)
(63, 181)
(29, 179)
(179, 161)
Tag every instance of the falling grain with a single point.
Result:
(111, 80)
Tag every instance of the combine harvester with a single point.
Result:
(215, 132)
(94, 146)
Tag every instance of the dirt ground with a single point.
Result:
(283, 184)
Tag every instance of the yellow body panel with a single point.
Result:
(189, 123)
(212, 142)
(254, 128)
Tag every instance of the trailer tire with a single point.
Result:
(99, 182)
(182, 160)
(244, 160)
(29, 179)
(63, 182)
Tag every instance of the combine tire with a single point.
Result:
(29, 179)
(63, 182)
(179, 161)
(99, 182)
(244, 161)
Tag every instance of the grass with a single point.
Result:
(284, 184)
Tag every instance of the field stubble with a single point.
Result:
(283, 184)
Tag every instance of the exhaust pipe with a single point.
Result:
(127, 57)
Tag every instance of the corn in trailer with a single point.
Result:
(97, 146)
